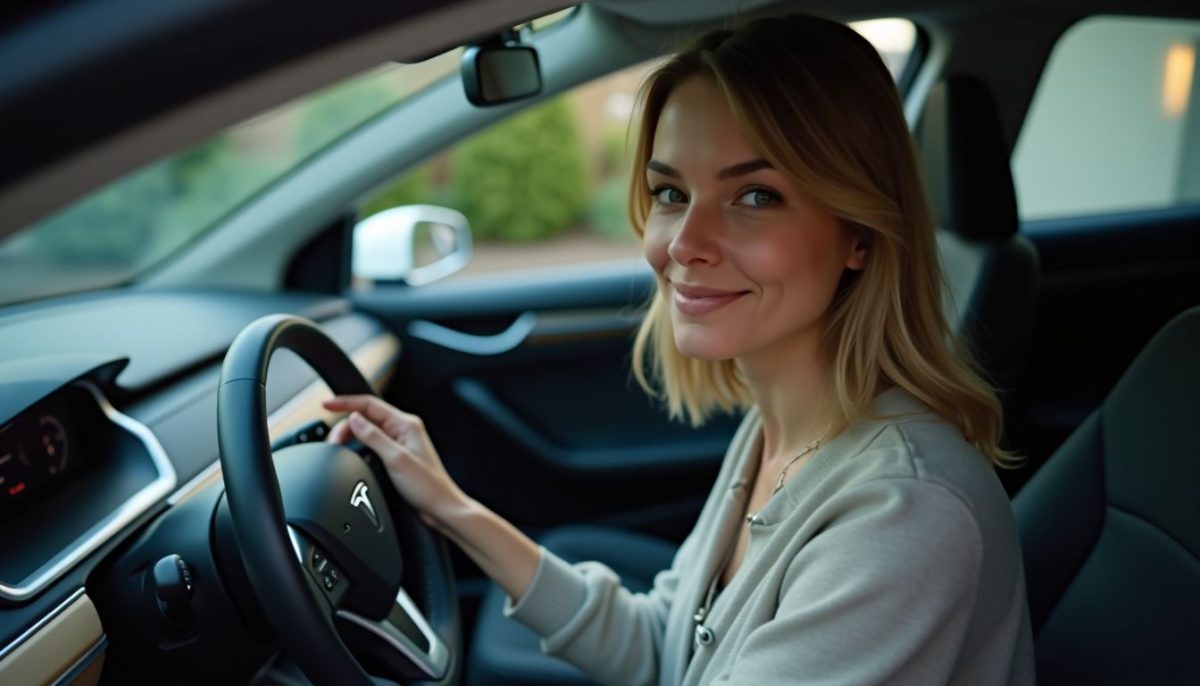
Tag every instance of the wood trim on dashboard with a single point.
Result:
(56, 647)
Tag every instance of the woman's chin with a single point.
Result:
(706, 348)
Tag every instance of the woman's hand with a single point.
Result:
(400, 441)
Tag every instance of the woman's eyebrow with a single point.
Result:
(664, 169)
(740, 169)
(743, 168)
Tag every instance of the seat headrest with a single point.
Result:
(966, 162)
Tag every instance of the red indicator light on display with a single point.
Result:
(16, 489)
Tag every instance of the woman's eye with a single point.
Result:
(667, 195)
(759, 197)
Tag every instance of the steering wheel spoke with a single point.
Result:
(402, 642)
(326, 577)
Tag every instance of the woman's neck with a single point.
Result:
(788, 384)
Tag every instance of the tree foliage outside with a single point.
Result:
(334, 112)
(607, 212)
(113, 227)
(524, 179)
(412, 188)
(152, 211)
(141, 217)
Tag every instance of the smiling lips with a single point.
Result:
(698, 300)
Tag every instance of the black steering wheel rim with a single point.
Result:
(298, 614)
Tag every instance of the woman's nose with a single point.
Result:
(695, 240)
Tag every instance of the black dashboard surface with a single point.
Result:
(162, 333)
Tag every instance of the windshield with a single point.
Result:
(135, 222)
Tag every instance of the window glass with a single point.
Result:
(133, 223)
(1113, 125)
(894, 38)
(548, 185)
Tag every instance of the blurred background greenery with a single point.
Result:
(527, 179)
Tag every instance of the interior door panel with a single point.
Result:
(577, 450)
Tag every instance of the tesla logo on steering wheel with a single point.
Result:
(362, 501)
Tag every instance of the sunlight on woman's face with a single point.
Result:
(746, 262)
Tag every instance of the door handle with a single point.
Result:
(531, 328)
(474, 344)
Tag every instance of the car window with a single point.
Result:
(138, 220)
(548, 185)
(1113, 125)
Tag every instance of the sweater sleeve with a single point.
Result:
(585, 616)
(883, 594)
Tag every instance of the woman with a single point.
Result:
(857, 533)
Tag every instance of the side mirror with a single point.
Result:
(413, 244)
(501, 70)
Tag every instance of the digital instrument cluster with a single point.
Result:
(36, 453)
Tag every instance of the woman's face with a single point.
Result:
(746, 263)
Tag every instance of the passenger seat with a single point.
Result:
(1110, 529)
(993, 272)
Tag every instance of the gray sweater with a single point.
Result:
(891, 557)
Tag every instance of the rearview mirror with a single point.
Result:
(501, 70)
(413, 244)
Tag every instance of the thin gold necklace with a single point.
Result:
(704, 634)
(807, 449)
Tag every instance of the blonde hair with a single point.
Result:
(815, 99)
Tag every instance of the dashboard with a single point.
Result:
(100, 434)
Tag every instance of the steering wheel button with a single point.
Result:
(329, 582)
(333, 574)
(318, 560)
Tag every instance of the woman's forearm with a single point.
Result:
(505, 554)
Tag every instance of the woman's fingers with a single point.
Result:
(340, 433)
(371, 407)
(372, 436)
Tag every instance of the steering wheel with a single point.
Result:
(324, 544)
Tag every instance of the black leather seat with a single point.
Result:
(993, 277)
(993, 272)
(1110, 529)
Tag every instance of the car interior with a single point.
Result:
(172, 513)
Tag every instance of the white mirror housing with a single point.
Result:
(414, 244)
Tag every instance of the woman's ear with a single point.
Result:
(857, 258)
